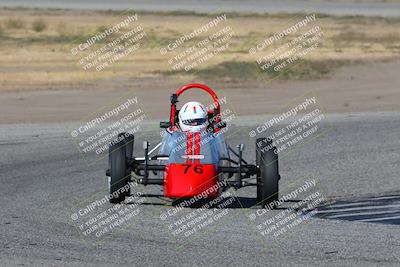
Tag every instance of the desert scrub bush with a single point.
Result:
(38, 25)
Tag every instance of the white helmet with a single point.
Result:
(192, 117)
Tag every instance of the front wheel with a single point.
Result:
(118, 180)
(268, 175)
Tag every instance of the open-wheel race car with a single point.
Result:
(193, 158)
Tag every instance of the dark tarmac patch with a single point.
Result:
(380, 209)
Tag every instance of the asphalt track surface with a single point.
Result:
(215, 6)
(356, 161)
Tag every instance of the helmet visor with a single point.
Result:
(194, 122)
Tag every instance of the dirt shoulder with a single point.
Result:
(362, 88)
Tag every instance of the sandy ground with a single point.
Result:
(362, 88)
(31, 60)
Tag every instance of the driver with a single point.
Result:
(193, 122)
(193, 117)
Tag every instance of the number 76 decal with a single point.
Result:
(197, 168)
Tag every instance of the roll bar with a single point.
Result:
(174, 101)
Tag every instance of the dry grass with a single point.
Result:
(35, 45)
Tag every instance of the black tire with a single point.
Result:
(268, 176)
(118, 172)
(129, 142)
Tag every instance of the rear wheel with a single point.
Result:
(268, 176)
(119, 173)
